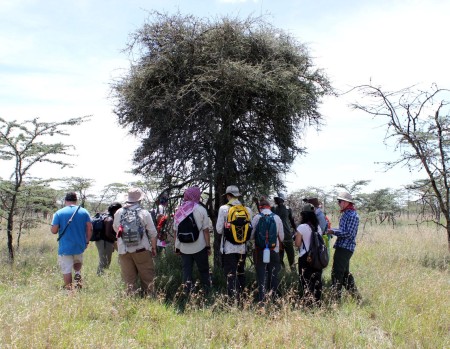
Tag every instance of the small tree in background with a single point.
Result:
(419, 123)
(22, 145)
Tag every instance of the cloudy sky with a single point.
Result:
(59, 57)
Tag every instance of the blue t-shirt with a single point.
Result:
(74, 239)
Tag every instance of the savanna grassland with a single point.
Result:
(402, 274)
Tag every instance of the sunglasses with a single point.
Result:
(339, 201)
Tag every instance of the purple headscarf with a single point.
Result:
(191, 199)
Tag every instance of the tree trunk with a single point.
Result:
(9, 230)
(219, 189)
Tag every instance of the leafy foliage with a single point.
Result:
(217, 103)
(21, 145)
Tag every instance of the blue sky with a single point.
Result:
(58, 59)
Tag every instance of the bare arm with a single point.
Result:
(298, 239)
(88, 231)
(208, 243)
(54, 229)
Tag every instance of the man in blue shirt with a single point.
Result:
(344, 247)
(73, 225)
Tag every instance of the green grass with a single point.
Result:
(402, 275)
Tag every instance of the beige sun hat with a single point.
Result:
(345, 197)
(135, 195)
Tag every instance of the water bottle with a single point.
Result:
(266, 255)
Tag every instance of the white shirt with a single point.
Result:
(202, 222)
(226, 246)
(278, 222)
(305, 231)
(149, 227)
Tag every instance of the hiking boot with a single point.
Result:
(78, 283)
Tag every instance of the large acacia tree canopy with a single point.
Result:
(217, 102)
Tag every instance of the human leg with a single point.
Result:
(281, 253)
(240, 273)
(230, 262)
(290, 252)
(340, 269)
(261, 268)
(146, 271)
(187, 262)
(105, 250)
(128, 271)
(201, 259)
(274, 268)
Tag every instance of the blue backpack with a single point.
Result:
(266, 232)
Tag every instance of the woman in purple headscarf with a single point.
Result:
(192, 238)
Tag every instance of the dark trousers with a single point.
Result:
(267, 274)
(340, 274)
(288, 247)
(234, 270)
(311, 281)
(201, 259)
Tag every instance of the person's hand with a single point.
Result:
(330, 232)
(153, 251)
(208, 249)
(177, 251)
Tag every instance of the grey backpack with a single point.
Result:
(132, 227)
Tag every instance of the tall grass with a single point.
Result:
(401, 273)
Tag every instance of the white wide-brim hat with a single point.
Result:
(345, 197)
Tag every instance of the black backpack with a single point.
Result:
(98, 226)
(188, 230)
(317, 255)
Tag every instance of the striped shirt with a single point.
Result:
(348, 228)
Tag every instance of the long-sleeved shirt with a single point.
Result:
(202, 222)
(227, 247)
(285, 213)
(348, 228)
(148, 224)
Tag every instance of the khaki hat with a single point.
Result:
(135, 195)
(344, 196)
(308, 208)
(232, 190)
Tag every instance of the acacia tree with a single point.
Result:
(217, 102)
(21, 143)
(419, 122)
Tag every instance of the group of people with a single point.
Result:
(132, 231)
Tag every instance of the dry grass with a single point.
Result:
(402, 275)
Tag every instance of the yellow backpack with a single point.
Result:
(238, 227)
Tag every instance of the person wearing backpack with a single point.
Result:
(310, 277)
(136, 243)
(233, 251)
(107, 238)
(285, 213)
(191, 225)
(344, 248)
(73, 225)
(268, 233)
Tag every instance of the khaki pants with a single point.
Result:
(134, 265)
